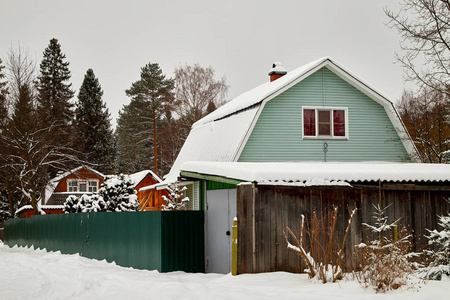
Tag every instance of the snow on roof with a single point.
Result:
(277, 68)
(220, 135)
(25, 207)
(321, 172)
(258, 94)
(214, 141)
(53, 183)
(139, 176)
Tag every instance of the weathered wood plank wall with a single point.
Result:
(263, 213)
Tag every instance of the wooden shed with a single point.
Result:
(268, 197)
(149, 198)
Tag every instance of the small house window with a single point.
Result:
(325, 122)
(93, 186)
(72, 186)
(82, 186)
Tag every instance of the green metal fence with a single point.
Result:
(154, 240)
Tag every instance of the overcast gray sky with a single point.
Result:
(240, 39)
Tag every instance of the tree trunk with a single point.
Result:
(11, 201)
(155, 146)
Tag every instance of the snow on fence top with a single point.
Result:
(329, 173)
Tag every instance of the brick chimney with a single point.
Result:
(277, 71)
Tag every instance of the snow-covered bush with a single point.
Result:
(119, 194)
(440, 255)
(116, 194)
(176, 199)
(4, 209)
(323, 261)
(385, 261)
(71, 205)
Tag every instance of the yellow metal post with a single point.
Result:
(234, 247)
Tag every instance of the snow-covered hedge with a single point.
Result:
(115, 195)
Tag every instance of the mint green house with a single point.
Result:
(319, 114)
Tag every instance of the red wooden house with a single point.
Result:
(79, 181)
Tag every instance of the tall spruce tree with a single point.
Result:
(55, 93)
(23, 118)
(154, 89)
(134, 143)
(3, 97)
(93, 125)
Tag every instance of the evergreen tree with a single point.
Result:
(23, 118)
(134, 145)
(118, 194)
(93, 126)
(3, 99)
(154, 89)
(55, 93)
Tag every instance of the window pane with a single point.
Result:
(92, 186)
(324, 116)
(309, 122)
(324, 129)
(339, 122)
(72, 186)
(324, 122)
(83, 187)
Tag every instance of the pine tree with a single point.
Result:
(55, 92)
(3, 99)
(155, 90)
(23, 118)
(134, 145)
(93, 126)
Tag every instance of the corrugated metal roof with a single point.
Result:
(214, 141)
(322, 173)
(220, 135)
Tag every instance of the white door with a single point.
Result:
(220, 212)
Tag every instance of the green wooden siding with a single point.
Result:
(277, 135)
(214, 185)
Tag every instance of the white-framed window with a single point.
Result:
(72, 185)
(325, 122)
(82, 185)
(93, 186)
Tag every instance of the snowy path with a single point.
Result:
(38, 274)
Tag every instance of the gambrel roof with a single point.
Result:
(221, 135)
(53, 183)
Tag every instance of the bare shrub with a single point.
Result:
(323, 262)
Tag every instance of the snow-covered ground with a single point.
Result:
(37, 274)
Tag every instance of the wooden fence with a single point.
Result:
(264, 212)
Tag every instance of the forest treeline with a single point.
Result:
(47, 128)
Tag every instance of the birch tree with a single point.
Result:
(424, 27)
